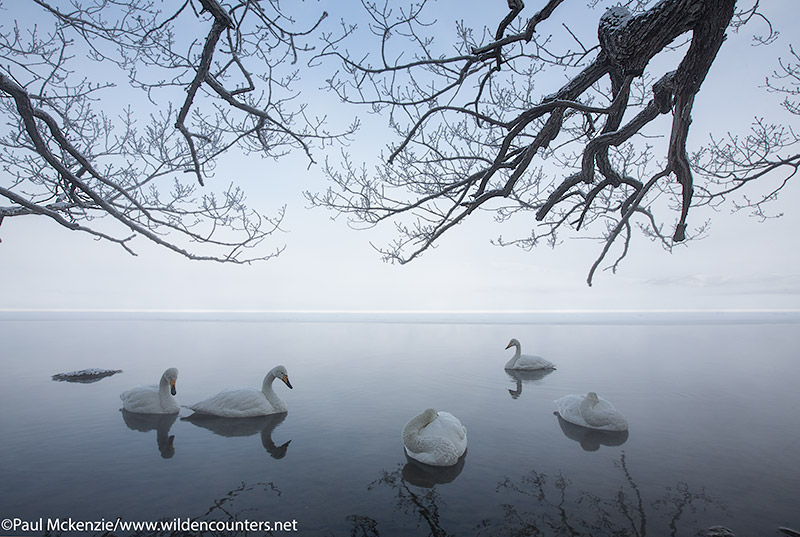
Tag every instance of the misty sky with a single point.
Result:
(740, 264)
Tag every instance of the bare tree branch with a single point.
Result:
(472, 132)
(196, 86)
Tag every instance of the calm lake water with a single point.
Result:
(712, 401)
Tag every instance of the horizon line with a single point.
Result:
(397, 311)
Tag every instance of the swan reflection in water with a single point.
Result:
(231, 427)
(161, 423)
(417, 487)
(591, 439)
(426, 476)
(525, 376)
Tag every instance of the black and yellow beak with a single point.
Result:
(509, 345)
(172, 387)
(285, 380)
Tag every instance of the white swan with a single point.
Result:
(246, 402)
(435, 438)
(592, 412)
(153, 399)
(526, 361)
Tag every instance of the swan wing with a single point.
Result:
(603, 416)
(606, 417)
(235, 403)
(142, 400)
(568, 408)
(447, 426)
(527, 361)
(604, 407)
(437, 452)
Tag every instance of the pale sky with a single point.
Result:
(741, 264)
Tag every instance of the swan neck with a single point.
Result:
(163, 391)
(587, 405)
(587, 412)
(266, 389)
(517, 354)
(412, 429)
(266, 386)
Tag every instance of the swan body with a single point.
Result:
(592, 412)
(246, 402)
(153, 399)
(525, 361)
(435, 438)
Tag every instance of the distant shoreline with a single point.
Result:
(586, 317)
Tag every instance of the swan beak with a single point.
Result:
(509, 345)
(172, 387)
(285, 380)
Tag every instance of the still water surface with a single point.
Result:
(712, 404)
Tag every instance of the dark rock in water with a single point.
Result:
(86, 375)
(716, 531)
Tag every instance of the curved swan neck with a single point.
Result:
(415, 425)
(587, 412)
(164, 394)
(587, 405)
(266, 389)
(266, 386)
(517, 353)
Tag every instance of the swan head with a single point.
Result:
(592, 398)
(429, 414)
(171, 376)
(513, 343)
(279, 372)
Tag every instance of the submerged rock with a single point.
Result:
(86, 375)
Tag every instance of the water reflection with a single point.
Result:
(591, 439)
(525, 376)
(227, 514)
(231, 427)
(416, 485)
(422, 504)
(426, 476)
(160, 423)
(538, 504)
(545, 505)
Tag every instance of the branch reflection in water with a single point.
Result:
(237, 504)
(422, 504)
(522, 376)
(541, 505)
(555, 508)
(160, 423)
(232, 427)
